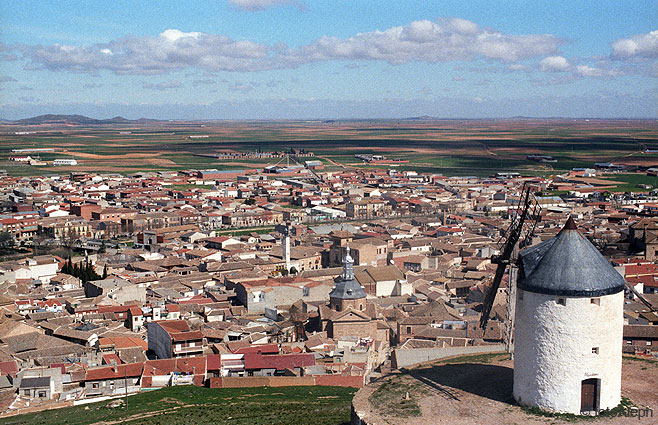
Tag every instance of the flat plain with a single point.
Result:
(450, 147)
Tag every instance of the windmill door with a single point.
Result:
(588, 395)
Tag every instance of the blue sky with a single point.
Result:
(278, 59)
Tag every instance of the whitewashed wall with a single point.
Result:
(553, 350)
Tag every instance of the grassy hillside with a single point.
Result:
(194, 405)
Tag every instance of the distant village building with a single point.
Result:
(568, 326)
(64, 161)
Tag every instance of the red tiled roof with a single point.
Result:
(173, 326)
(259, 349)
(114, 308)
(111, 358)
(110, 372)
(182, 365)
(214, 361)
(186, 336)
(640, 269)
(123, 342)
(278, 362)
(7, 368)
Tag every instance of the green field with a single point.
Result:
(195, 405)
(631, 182)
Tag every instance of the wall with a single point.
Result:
(361, 329)
(159, 341)
(130, 293)
(403, 358)
(286, 381)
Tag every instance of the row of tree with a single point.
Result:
(83, 271)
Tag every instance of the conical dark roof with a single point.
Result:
(568, 265)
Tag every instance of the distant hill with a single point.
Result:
(422, 118)
(76, 120)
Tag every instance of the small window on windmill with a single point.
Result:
(561, 301)
(595, 350)
(349, 292)
(596, 301)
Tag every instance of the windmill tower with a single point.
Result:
(568, 327)
(564, 317)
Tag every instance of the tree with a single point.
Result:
(6, 241)
(105, 271)
(69, 238)
(103, 248)
(293, 270)
(284, 272)
(250, 201)
(65, 267)
(83, 271)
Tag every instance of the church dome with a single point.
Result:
(347, 288)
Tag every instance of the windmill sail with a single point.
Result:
(529, 210)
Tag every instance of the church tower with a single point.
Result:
(568, 326)
(347, 292)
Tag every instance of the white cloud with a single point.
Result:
(255, 5)
(171, 50)
(554, 64)
(518, 67)
(174, 34)
(637, 46)
(428, 41)
(420, 41)
(588, 71)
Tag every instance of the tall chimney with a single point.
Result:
(286, 246)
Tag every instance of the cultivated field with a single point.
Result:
(451, 147)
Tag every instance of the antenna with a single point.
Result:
(528, 209)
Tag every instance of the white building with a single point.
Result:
(41, 268)
(64, 161)
(568, 326)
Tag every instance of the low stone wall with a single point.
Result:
(286, 381)
(405, 358)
